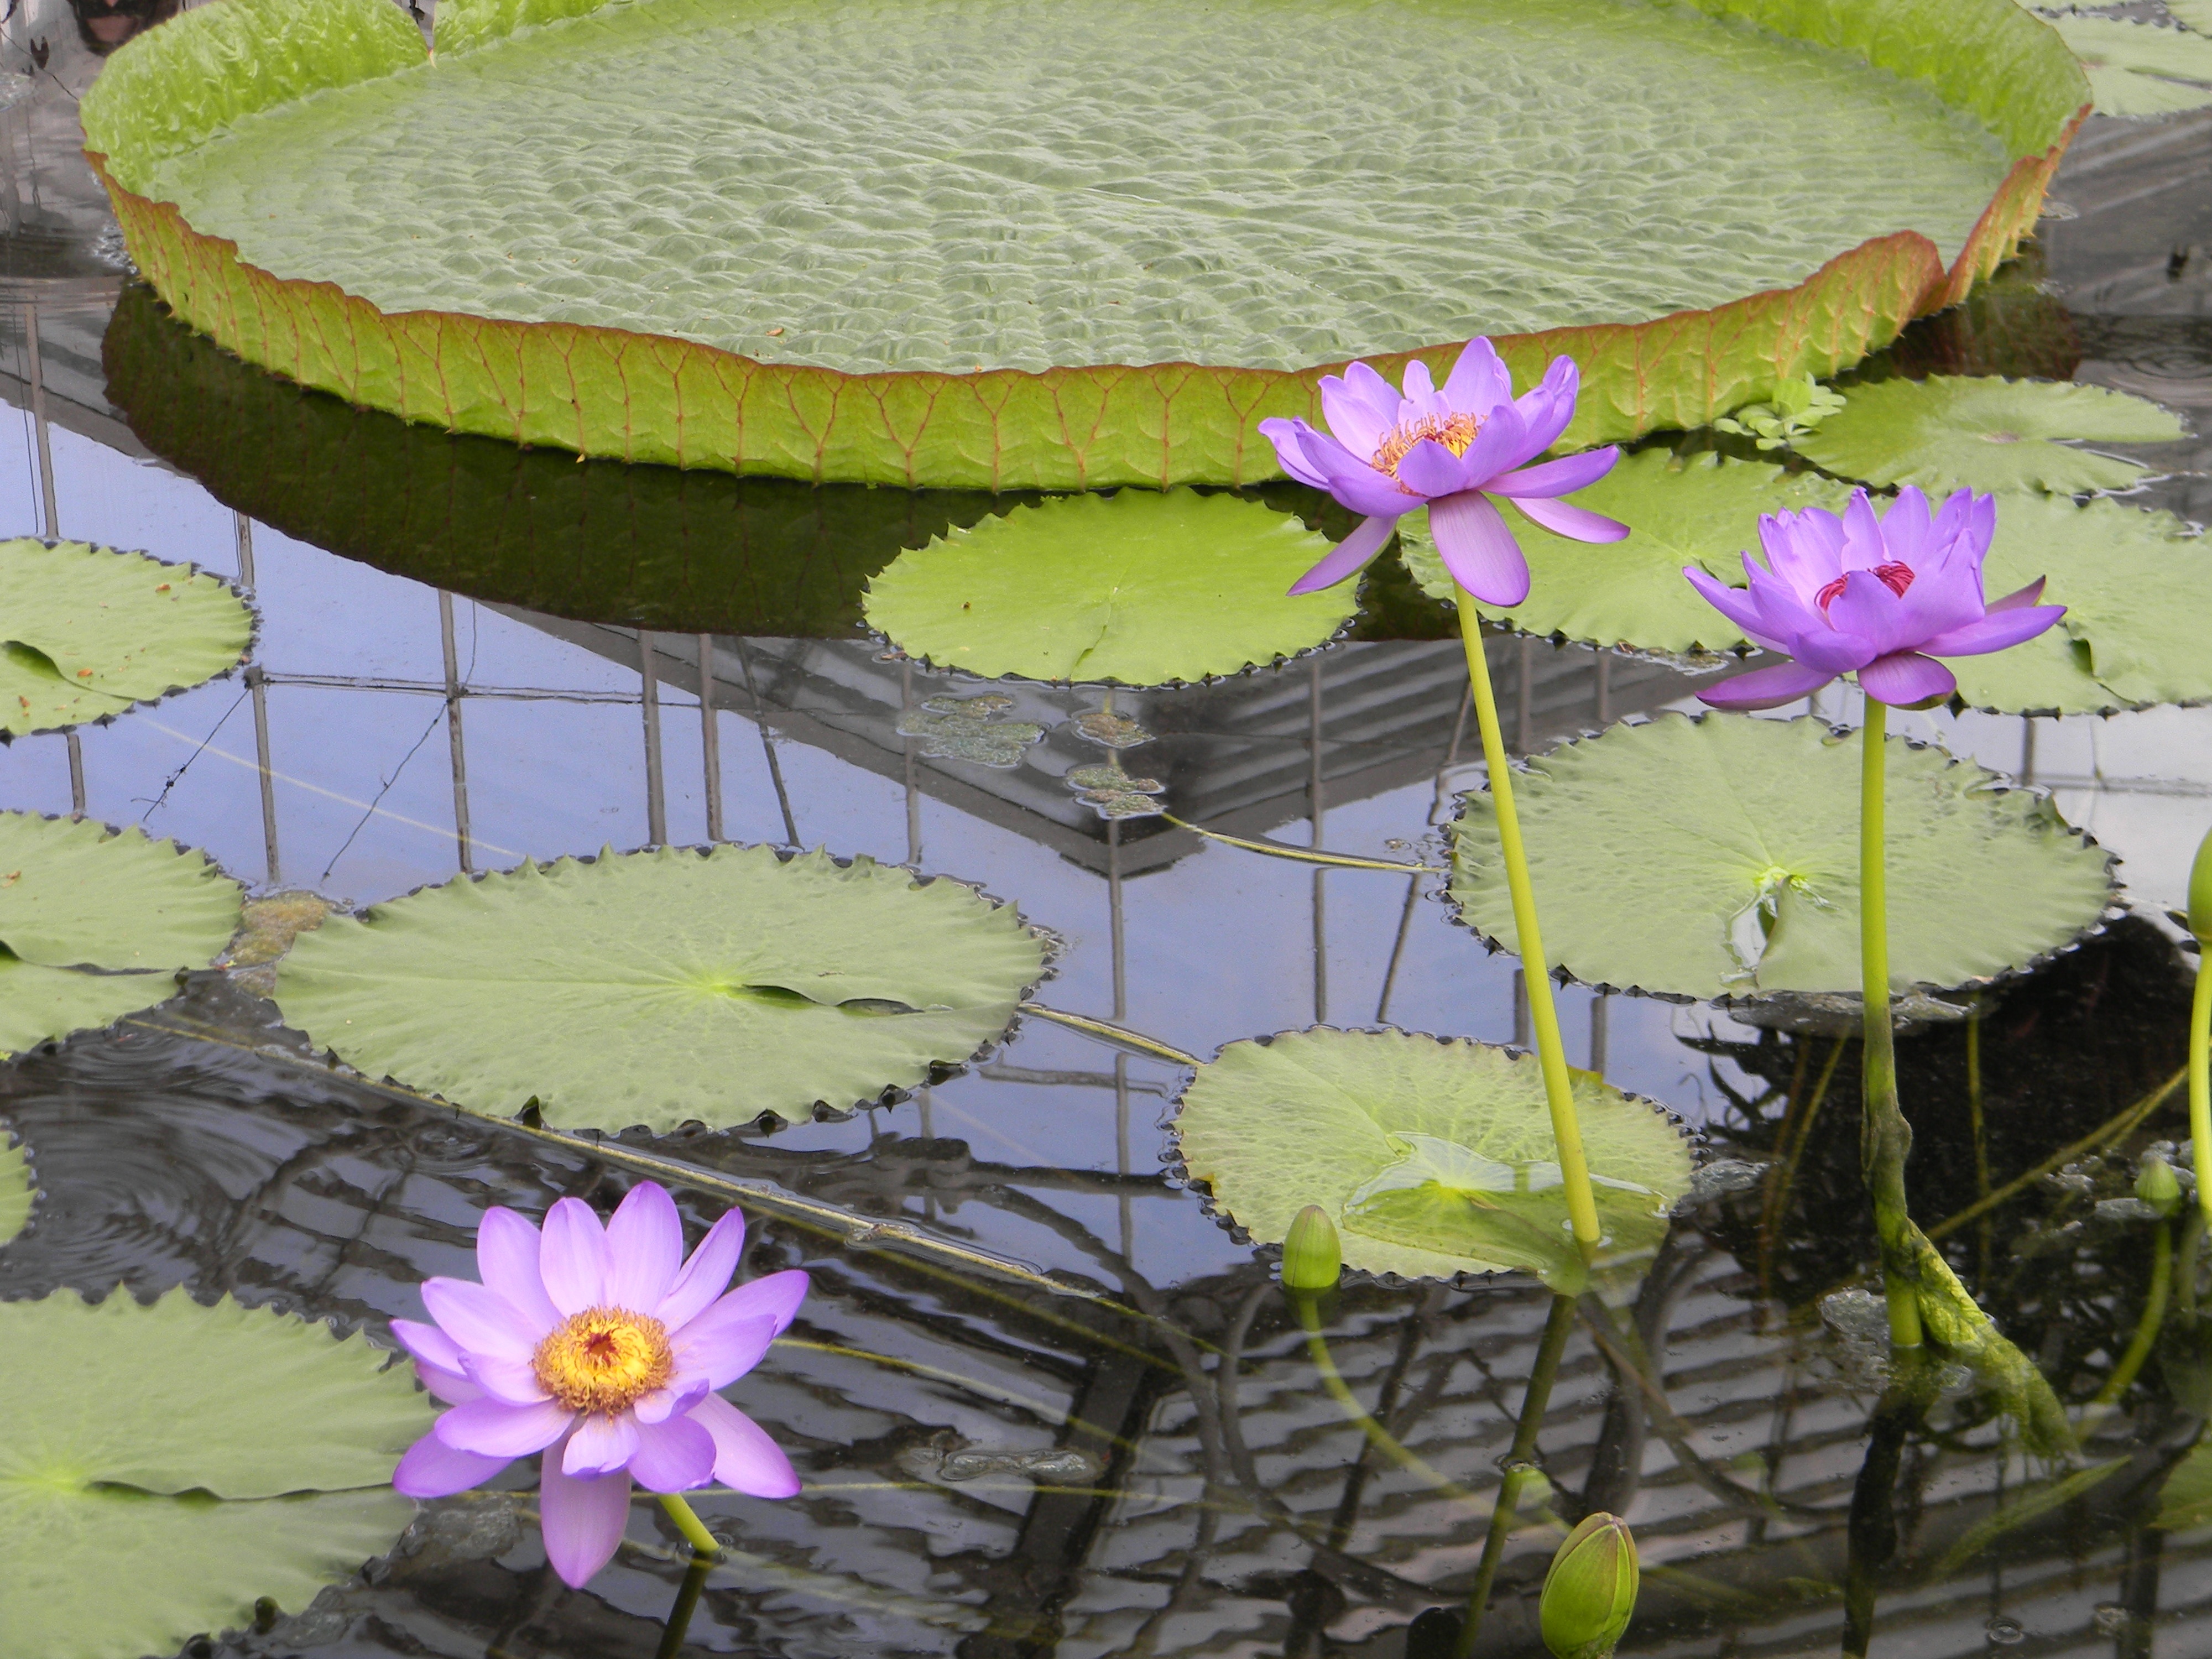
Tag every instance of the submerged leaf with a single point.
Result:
(2139, 69)
(1719, 857)
(664, 986)
(1954, 1322)
(2186, 1500)
(1138, 587)
(1989, 434)
(1433, 1158)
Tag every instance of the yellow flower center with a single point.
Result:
(602, 1359)
(1454, 432)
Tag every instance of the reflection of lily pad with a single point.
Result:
(662, 987)
(1139, 587)
(76, 896)
(162, 1467)
(1950, 432)
(85, 632)
(2137, 69)
(15, 1188)
(1434, 1157)
(1701, 510)
(1719, 857)
(1113, 793)
(970, 729)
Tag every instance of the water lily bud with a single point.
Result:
(2157, 1185)
(1591, 1591)
(1312, 1257)
(2200, 893)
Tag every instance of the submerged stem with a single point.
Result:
(2200, 1079)
(2146, 1336)
(1551, 1051)
(687, 1603)
(689, 1524)
(1885, 1139)
(1339, 1391)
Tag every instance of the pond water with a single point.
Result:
(1041, 1401)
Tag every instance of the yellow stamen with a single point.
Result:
(1454, 432)
(603, 1359)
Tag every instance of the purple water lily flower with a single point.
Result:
(603, 1350)
(1881, 597)
(1448, 449)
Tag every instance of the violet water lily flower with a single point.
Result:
(604, 1351)
(1880, 598)
(1449, 449)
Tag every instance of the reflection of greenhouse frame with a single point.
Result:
(649, 397)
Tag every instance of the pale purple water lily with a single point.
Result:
(1880, 598)
(604, 1351)
(1451, 449)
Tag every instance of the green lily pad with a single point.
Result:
(1701, 510)
(2195, 15)
(16, 1188)
(2138, 68)
(1988, 433)
(85, 632)
(665, 986)
(1718, 857)
(162, 1467)
(1433, 1156)
(94, 923)
(1139, 587)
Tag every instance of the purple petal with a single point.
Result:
(1348, 557)
(1784, 614)
(434, 1469)
(452, 1387)
(1351, 481)
(1560, 478)
(1546, 409)
(744, 1457)
(722, 1346)
(572, 1257)
(706, 1274)
(1289, 449)
(1994, 632)
(673, 1456)
(1905, 678)
(1500, 446)
(2019, 598)
(508, 1381)
(427, 1344)
(1577, 523)
(506, 1260)
(1866, 608)
(1478, 382)
(1372, 391)
(479, 1319)
(1421, 390)
(602, 1442)
(583, 1520)
(1804, 548)
(1732, 603)
(1430, 469)
(1863, 547)
(1766, 688)
(497, 1430)
(1354, 420)
(1834, 651)
(645, 1247)
(658, 1405)
(1477, 548)
(1907, 532)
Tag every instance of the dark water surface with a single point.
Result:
(1058, 1409)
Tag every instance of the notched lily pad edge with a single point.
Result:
(192, 568)
(2116, 907)
(1179, 1176)
(1053, 944)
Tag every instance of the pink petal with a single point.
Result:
(673, 1456)
(1766, 688)
(1994, 632)
(583, 1520)
(602, 1442)
(1477, 548)
(1577, 523)
(572, 1257)
(722, 1344)
(506, 1260)
(1905, 678)
(745, 1458)
(706, 1274)
(432, 1468)
(1478, 382)
(1560, 478)
(498, 1430)
(479, 1319)
(1347, 558)
(645, 1247)
(506, 1381)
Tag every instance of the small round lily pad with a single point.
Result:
(1434, 1157)
(1137, 588)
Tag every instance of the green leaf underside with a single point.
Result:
(1140, 588)
(2185, 1501)
(1657, 852)
(131, 1439)
(663, 986)
(15, 1188)
(2137, 69)
(1433, 1158)
(89, 631)
(842, 174)
(1700, 510)
(1988, 433)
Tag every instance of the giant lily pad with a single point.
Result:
(1951, 432)
(1718, 857)
(85, 632)
(15, 1188)
(1433, 1156)
(665, 986)
(163, 1467)
(2138, 68)
(944, 242)
(1699, 510)
(1141, 588)
(94, 923)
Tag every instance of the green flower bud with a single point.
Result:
(2200, 893)
(1591, 1591)
(1312, 1257)
(2157, 1185)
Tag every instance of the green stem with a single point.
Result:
(1331, 1380)
(1299, 854)
(2200, 1080)
(687, 1603)
(1551, 1051)
(2153, 1313)
(1886, 1139)
(688, 1523)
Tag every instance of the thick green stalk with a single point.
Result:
(2200, 1080)
(689, 1524)
(1551, 1052)
(1885, 1139)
